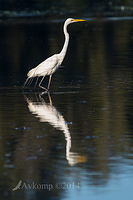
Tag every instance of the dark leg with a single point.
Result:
(40, 84)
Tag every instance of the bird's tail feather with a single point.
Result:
(31, 73)
(25, 82)
(28, 81)
(30, 76)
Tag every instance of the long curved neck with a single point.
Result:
(64, 49)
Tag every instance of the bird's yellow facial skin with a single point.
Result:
(79, 20)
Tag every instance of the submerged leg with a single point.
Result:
(41, 82)
(49, 81)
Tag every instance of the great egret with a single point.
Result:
(51, 64)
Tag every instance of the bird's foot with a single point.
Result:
(42, 93)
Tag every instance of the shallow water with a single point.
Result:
(76, 141)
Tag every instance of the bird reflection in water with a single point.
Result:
(48, 113)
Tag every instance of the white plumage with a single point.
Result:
(51, 64)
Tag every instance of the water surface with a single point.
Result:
(75, 142)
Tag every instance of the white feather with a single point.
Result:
(51, 64)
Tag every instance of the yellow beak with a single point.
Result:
(79, 20)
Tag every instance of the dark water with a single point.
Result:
(77, 141)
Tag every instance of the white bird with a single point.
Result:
(51, 64)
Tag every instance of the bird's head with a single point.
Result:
(71, 20)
